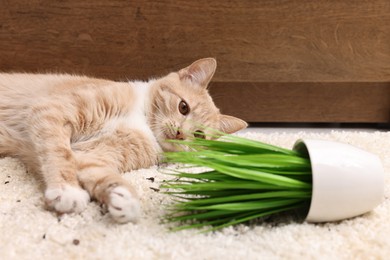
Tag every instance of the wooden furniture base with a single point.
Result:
(304, 102)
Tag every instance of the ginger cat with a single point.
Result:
(80, 133)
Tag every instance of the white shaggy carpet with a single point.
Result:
(28, 231)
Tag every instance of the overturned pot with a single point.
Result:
(346, 181)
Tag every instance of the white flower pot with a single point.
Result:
(347, 181)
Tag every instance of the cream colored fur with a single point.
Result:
(79, 133)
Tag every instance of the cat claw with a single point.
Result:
(123, 206)
(67, 199)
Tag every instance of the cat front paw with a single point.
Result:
(67, 199)
(123, 206)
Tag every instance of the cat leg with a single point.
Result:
(63, 192)
(55, 161)
(66, 198)
(100, 162)
(109, 188)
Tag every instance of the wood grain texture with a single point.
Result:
(271, 40)
(305, 102)
(322, 43)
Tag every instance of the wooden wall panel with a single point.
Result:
(271, 41)
(305, 102)
(255, 42)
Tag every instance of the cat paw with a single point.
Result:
(67, 199)
(123, 206)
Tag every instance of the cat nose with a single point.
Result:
(179, 135)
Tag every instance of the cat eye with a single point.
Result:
(184, 109)
(199, 134)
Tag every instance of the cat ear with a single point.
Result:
(200, 72)
(231, 124)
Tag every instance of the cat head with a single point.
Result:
(182, 108)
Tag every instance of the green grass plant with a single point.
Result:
(237, 180)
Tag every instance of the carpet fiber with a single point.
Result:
(28, 231)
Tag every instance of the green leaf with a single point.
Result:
(239, 179)
(242, 206)
(252, 196)
(225, 185)
(261, 177)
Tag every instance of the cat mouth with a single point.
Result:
(173, 135)
(167, 135)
